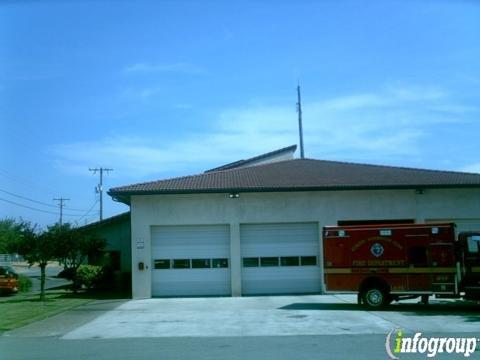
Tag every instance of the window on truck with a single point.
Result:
(473, 243)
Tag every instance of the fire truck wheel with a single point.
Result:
(375, 297)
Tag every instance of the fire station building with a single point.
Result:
(254, 226)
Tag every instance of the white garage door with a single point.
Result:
(461, 224)
(190, 260)
(280, 258)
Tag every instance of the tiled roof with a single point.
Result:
(303, 174)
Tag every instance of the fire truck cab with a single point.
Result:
(385, 263)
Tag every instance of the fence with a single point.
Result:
(11, 258)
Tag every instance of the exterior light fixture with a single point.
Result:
(234, 195)
(419, 191)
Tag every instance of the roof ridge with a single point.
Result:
(236, 164)
(247, 167)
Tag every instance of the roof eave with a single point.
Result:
(108, 221)
(124, 196)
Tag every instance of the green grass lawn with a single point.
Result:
(20, 310)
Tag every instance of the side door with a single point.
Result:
(419, 275)
(441, 260)
(470, 254)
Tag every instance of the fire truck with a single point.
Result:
(385, 263)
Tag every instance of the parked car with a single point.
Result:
(8, 280)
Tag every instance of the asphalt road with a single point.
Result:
(358, 347)
(33, 272)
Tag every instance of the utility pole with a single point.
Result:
(300, 129)
(100, 186)
(61, 205)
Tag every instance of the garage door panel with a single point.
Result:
(293, 250)
(183, 236)
(189, 288)
(285, 273)
(276, 234)
(277, 286)
(461, 224)
(293, 240)
(283, 280)
(170, 243)
(176, 282)
(196, 252)
(471, 225)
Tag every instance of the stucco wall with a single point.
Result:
(325, 208)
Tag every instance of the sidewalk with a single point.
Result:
(65, 322)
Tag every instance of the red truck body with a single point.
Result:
(399, 260)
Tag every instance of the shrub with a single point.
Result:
(68, 273)
(24, 283)
(89, 276)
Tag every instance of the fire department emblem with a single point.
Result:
(377, 250)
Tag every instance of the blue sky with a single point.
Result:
(169, 88)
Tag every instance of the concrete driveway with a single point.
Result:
(273, 316)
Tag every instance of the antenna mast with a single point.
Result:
(300, 129)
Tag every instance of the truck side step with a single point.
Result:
(447, 296)
(472, 292)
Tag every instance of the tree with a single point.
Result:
(64, 243)
(10, 232)
(74, 246)
(67, 241)
(37, 248)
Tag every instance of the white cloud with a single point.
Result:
(178, 67)
(382, 125)
(351, 102)
(455, 108)
(415, 93)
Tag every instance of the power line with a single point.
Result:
(38, 202)
(91, 219)
(18, 179)
(25, 198)
(28, 207)
(73, 209)
(35, 209)
(88, 212)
